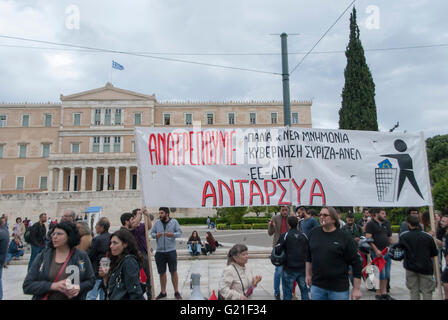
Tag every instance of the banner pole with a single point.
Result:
(431, 218)
(149, 259)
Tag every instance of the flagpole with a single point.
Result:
(110, 75)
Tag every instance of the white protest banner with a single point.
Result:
(224, 167)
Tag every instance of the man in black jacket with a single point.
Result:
(295, 245)
(97, 250)
(419, 248)
(38, 232)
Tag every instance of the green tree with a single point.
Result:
(358, 109)
(233, 215)
(437, 149)
(265, 209)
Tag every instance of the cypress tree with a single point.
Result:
(358, 110)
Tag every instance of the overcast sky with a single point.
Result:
(411, 85)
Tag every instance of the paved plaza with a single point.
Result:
(210, 268)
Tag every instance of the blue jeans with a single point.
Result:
(14, 255)
(97, 290)
(198, 248)
(288, 281)
(322, 294)
(277, 279)
(385, 273)
(34, 252)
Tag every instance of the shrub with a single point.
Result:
(395, 228)
(260, 226)
(236, 226)
(251, 220)
(222, 226)
(247, 226)
(191, 221)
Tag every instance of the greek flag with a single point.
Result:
(116, 65)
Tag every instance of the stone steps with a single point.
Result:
(182, 254)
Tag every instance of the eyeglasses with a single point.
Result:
(57, 234)
(324, 215)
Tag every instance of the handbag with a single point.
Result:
(60, 272)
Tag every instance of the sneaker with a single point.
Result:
(161, 295)
(177, 296)
(379, 297)
(277, 297)
(387, 297)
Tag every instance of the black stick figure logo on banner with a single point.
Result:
(386, 175)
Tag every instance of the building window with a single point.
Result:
(188, 118)
(96, 144)
(107, 117)
(20, 183)
(138, 119)
(45, 150)
(106, 144)
(273, 117)
(22, 150)
(97, 117)
(75, 147)
(210, 118)
(1, 150)
(117, 144)
(76, 119)
(117, 116)
(133, 146)
(231, 118)
(48, 120)
(253, 118)
(166, 119)
(2, 120)
(295, 118)
(43, 183)
(25, 120)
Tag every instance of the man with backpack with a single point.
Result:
(295, 245)
(419, 249)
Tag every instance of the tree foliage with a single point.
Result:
(437, 150)
(358, 109)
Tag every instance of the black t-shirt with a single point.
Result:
(380, 233)
(330, 254)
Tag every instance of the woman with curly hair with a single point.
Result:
(122, 280)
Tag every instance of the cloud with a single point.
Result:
(411, 85)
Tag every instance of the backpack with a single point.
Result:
(27, 235)
(278, 254)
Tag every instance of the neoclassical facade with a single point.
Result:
(80, 151)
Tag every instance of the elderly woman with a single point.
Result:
(86, 236)
(122, 278)
(51, 273)
(237, 281)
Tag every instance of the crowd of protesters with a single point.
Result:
(321, 255)
(324, 257)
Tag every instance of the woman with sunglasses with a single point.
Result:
(60, 272)
(330, 253)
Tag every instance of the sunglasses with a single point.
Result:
(324, 215)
